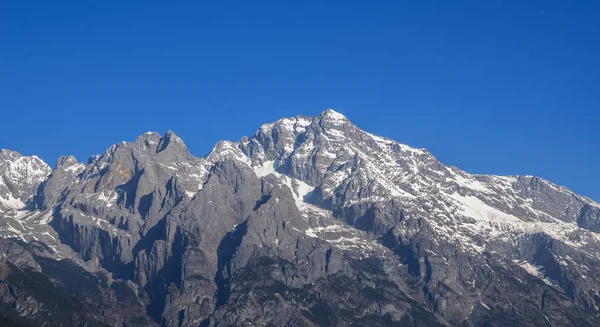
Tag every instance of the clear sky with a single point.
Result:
(496, 87)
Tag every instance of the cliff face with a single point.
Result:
(309, 222)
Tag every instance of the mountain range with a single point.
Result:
(310, 222)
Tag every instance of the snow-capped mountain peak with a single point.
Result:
(350, 168)
(19, 177)
(306, 204)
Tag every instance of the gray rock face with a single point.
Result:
(36, 290)
(310, 222)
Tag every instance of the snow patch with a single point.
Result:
(267, 168)
(537, 271)
(470, 183)
(10, 202)
(473, 207)
(334, 116)
(300, 191)
(76, 168)
(168, 167)
(46, 218)
(108, 197)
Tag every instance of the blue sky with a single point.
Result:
(489, 86)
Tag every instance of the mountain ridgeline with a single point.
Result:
(310, 222)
